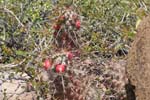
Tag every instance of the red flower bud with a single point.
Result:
(60, 68)
(70, 55)
(62, 18)
(55, 34)
(47, 64)
(78, 24)
(56, 27)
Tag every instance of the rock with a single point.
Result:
(12, 84)
(138, 64)
(12, 88)
(26, 96)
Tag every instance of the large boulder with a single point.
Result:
(138, 63)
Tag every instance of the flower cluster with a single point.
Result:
(66, 27)
(59, 63)
(69, 19)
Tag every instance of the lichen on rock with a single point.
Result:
(138, 64)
